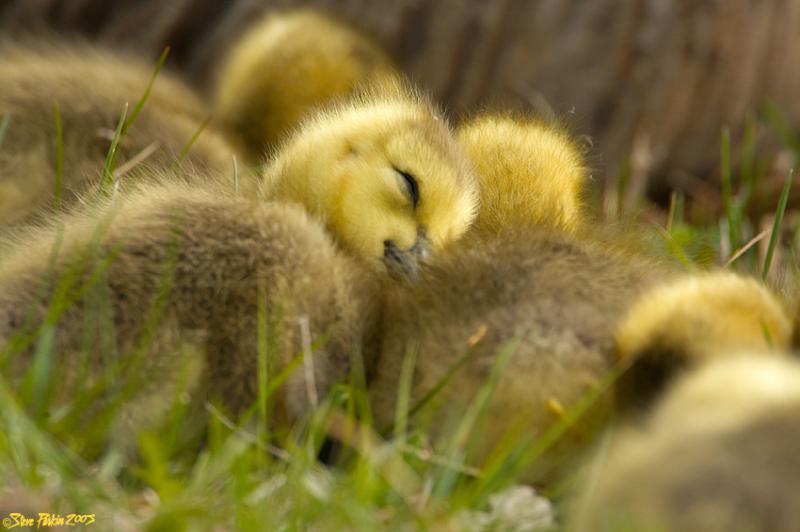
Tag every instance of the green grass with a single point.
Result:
(5, 120)
(202, 469)
(736, 239)
(188, 146)
(776, 224)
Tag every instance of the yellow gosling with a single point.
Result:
(286, 64)
(718, 454)
(383, 172)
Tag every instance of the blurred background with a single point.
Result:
(650, 84)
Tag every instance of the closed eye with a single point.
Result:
(411, 186)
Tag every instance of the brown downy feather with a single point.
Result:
(551, 297)
(211, 256)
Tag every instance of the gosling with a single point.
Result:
(385, 175)
(678, 325)
(718, 453)
(286, 64)
(526, 276)
(212, 268)
(91, 88)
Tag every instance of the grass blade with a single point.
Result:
(674, 247)
(776, 224)
(742, 250)
(782, 128)
(188, 146)
(146, 94)
(126, 121)
(727, 193)
(404, 393)
(111, 157)
(5, 120)
(675, 214)
(38, 383)
(464, 436)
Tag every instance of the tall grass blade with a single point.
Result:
(727, 192)
(188, 146)
(464, 433)
(146, 94)
(5, 120)
(38, 382)
(125, 123)
(107, 178)
(404, 393)
(776, 224)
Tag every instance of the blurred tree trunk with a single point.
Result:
(652, 82)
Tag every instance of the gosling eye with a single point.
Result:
(410, 186)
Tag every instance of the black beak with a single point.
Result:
(400, 263)
(406, 264)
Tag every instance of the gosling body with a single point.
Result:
(91, 88)
(718, 453)
(188, 275)
(550, 298)
(526, 278)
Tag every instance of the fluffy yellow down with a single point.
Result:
(531, 174)
(350, 166)
(705, 314)
(286, 64)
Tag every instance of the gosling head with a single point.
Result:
(531, 174)
(383, 172)
(680, 324)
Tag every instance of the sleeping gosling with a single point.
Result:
(527, 276)
(383, 172)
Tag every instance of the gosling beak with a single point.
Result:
(403, 264)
